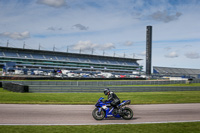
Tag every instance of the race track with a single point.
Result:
(26, 114)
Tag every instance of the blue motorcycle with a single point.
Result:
(104, 110)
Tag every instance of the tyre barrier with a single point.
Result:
(15, 87)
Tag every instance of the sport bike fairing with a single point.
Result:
(110, 111)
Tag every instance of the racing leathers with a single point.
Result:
(115, 100)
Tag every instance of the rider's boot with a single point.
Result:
(119, 110)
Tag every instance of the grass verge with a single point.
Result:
(190, 127)
(91, 98)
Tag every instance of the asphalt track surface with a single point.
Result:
(26, 114)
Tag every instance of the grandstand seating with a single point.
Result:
(51, 59)
(25, 55)
(176, 71)
(84, 59)
(1, 54)
(10, 54)
(73, 59)
(113, 62)
(131, 63)
(62, 58)
(122, 63)
(37, 56)
(103, 61)
(94, 61)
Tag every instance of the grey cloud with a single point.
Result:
(16, 35)
(164, 16)
(84, 46)
(192, 55)
(54, 28)
(128, 43)
(187, 46)
(106, 46)
(81, 27)
(142, 53)
(167, 48)
(171, 55)
(88, 46)
(53, 3)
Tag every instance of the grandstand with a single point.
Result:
(51, 60)
(181, 72)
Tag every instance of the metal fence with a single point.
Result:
(195, 81)
(98, 86)
(99, 89)
(105, 83)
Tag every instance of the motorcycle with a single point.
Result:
(104, 110)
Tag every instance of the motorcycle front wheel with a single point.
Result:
(98, 115)
(127, 113)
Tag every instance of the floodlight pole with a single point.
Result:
(133, 55)
(54, 48)
(67, 49)
(92, 51)
(24, 45)
(7, 43)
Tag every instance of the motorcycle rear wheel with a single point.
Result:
(127, 113)
(97, 115)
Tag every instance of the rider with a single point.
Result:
(112, 97)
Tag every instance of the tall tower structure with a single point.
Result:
(148, 50)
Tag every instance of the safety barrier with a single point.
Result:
(97, 89)
(15, 87)
(77, 86)
(104, 83)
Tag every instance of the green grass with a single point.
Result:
(91, 98)
(190, 127)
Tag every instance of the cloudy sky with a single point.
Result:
(109, 27)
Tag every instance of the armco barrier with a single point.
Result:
(100, 89)
(15, 87)
(97, 86)
(100, 83)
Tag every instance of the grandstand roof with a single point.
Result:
(66, 53)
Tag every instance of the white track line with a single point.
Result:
(97, 123)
